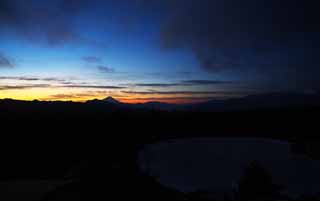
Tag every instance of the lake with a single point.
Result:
(217, 164)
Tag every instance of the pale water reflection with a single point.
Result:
(217, 164)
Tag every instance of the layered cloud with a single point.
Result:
(28, 78)
(30, 86)
(93, 86)
(270, 41)
(183, 92)
(19, 87)
(28, 82)
(186, 83)
(105, 69)
(92, 59)
(76, 96)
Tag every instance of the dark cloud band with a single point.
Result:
(26, 78)
(183, 93)
(93, 86)
(269, 38)
(19, 87)
(186, 83)
(105, 69)
(92, 59)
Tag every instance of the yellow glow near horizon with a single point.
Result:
(82, 95)
(25, 94)
(52, 94)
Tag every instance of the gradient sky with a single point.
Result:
(165, 50)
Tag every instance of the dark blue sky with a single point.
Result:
(139, 50)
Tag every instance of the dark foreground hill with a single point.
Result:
(277, 115)
(96, 143)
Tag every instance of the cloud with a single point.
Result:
(157, 85)
(69, 96)
(106, 69)
(5, 62)
(96, 60)
(186, 83)
(35, 22)
(93, 86)
(173, 98)
(271, 38)
(18, 78)
(54, 83)
(39, 21)
(183, 92)
(19, 87)
(265, 40)
(27, 78)
(56, 22)
(49, 79)
(206, 82)
(62, 96)
(72, 96)
(92, 59)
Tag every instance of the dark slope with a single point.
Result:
(46, 139)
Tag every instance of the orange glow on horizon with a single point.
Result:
(123, 100)
(80, 95)
(128, 101)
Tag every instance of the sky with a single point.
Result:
(157, 50)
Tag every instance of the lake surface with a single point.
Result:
(218, 164)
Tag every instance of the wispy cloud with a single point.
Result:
(206, 82)
(186, 83)
(6, 62)
(92, 59)
(52, 83)
(93, 86)
(68, 96)
(171, 98)
(157, 85)
(50, 79)
(182, 92)
(80, 96)
(106, 69)
(19, 87)
(27, 78)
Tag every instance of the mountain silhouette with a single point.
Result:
(259, 101)
(130, 127)
(160, 106)
(111, 100)
(250, 102)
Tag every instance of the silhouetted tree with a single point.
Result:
(257, 184)
(202, 195)
(68, 192)
(309, 198)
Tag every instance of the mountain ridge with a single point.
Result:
(257, 101)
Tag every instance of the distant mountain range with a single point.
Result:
(251, 102)
(259, 101)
